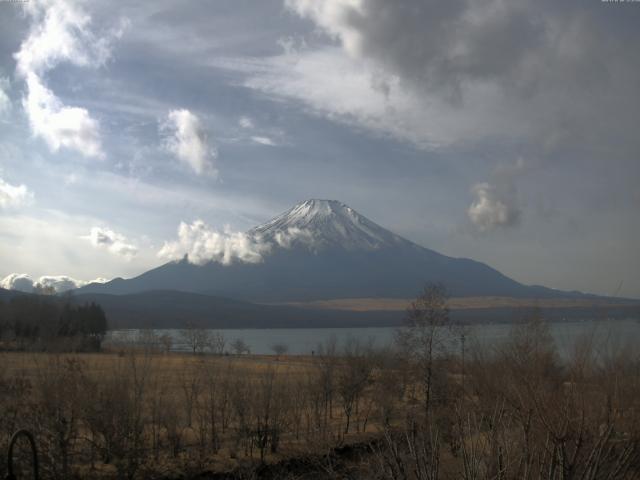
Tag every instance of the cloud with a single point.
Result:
(60, 283)
(348, 91)
(430, 43)
(60, 32)
(17, 281)
(203, 244)
(286, 238)
(14, 195)
(5, 102)
(264, 141)
(496, 204)
(186, 138)
(258, 135)
(489, 210)
(63, 283)
(58, 125)
(245, 122)
(457, 72)
(112, 242)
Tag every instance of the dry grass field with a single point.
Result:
(162, 415)
(459, 303)
(417, 412)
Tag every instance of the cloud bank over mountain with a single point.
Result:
(203, 244)
(59, 283)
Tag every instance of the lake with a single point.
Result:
(607, 334)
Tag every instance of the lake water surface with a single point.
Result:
(608, 335)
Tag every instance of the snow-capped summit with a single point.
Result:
(319, 224)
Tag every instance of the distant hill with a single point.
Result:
(323, 249)
(173, 309)
(6, 295)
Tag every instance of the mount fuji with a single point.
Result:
(323, 249)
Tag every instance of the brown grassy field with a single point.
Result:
(178, 399)
(514, 411)
(459, 303)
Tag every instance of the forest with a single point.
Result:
(50, 323)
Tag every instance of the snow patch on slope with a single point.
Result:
(318, 224)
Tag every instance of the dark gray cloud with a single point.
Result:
(563, 70)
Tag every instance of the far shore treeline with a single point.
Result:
(51, 323)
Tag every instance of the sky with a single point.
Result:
(501, 130)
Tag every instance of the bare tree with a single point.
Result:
(424, 336)
(197, 339)
(326, 363)
(166, 341)
(389, 387)
(279, 348)
(239, 346)
(353, 376)
(217, 342)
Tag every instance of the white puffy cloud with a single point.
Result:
(60, 283)
(60, 32)
(490, 210)
(496, 202)
(203, 244)
(59, 125)
(17, 281)
(111, 241)
(13, 195)
(186, 138)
